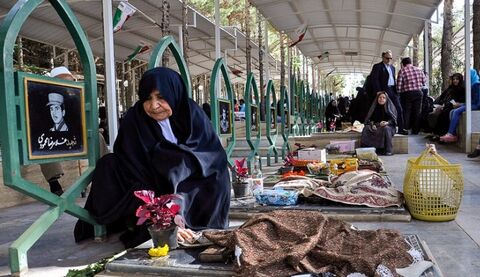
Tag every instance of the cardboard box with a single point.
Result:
(313, 154)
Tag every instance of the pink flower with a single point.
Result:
(160, 211)
(240, 171)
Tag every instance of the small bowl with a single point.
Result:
(285, 169)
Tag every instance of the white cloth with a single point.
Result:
(167, 130)
(391, 80)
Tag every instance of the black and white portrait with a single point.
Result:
(225, 117)
(287, 119)
(55, 118)
(273, 119)
(255, 119)
(57, 112)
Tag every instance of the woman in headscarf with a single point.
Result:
(439, 119)
(333, 116)
(380, 125)
(456, 114)
(167, 144)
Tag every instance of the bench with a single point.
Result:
(461, 131)
(400, 142)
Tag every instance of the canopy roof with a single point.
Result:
(349, 35)
(44, 25)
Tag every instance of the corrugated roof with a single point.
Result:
(349, 35)
(45, 25)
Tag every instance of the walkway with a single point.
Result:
(455, 244)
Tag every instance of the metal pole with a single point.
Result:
(218, 53)
(180, 38)
(468, 85)
(110, 70)
(426, 53)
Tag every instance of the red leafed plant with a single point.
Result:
(240, 171)
(161, 212)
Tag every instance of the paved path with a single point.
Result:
(454, 244)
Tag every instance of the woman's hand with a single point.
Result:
(186, 235)
(383, 123)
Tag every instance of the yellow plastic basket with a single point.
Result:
(433, 187)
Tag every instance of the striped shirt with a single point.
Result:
(410, 78)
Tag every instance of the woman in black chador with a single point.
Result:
(380, 125)
(167, 144)
(333, 116)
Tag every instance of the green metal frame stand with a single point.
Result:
(215, 102)
(271, 133)
(13, 139)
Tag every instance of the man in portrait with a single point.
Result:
(57, 112)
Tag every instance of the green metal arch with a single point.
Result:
(301, 106)
(271, 134)
(9, 30)
(295, 106)
(253, 144)
(156, 59)
(221, 67)
(285, 120)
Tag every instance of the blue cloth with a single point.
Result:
(475, 91)
(242, 107)
(143, 159)
(391, 79)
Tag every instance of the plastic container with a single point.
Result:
(366, 153)
(277, 197)
(343, 145)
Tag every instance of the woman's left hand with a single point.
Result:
(383, 123)
(186, 235)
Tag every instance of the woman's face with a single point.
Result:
(156, 107)
(334, 103)
(382, 99)
(455, 81)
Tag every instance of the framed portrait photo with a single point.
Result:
(273, 118)
(55, 122)
(287, 118)
(225, 119)
(255, 123)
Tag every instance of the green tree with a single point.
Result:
(446, 62)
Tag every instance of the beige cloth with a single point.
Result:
(362, 187)
(52, 171)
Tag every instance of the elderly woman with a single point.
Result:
(380, 125)
(166, 143)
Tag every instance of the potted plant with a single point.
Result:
(239, 180)
(162, 215)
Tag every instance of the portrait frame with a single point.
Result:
(225, 121)
(255, 118)
(287, 118)
(273, 119)
(48, 135)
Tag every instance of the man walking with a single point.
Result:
(382, 78)
(409, 85)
